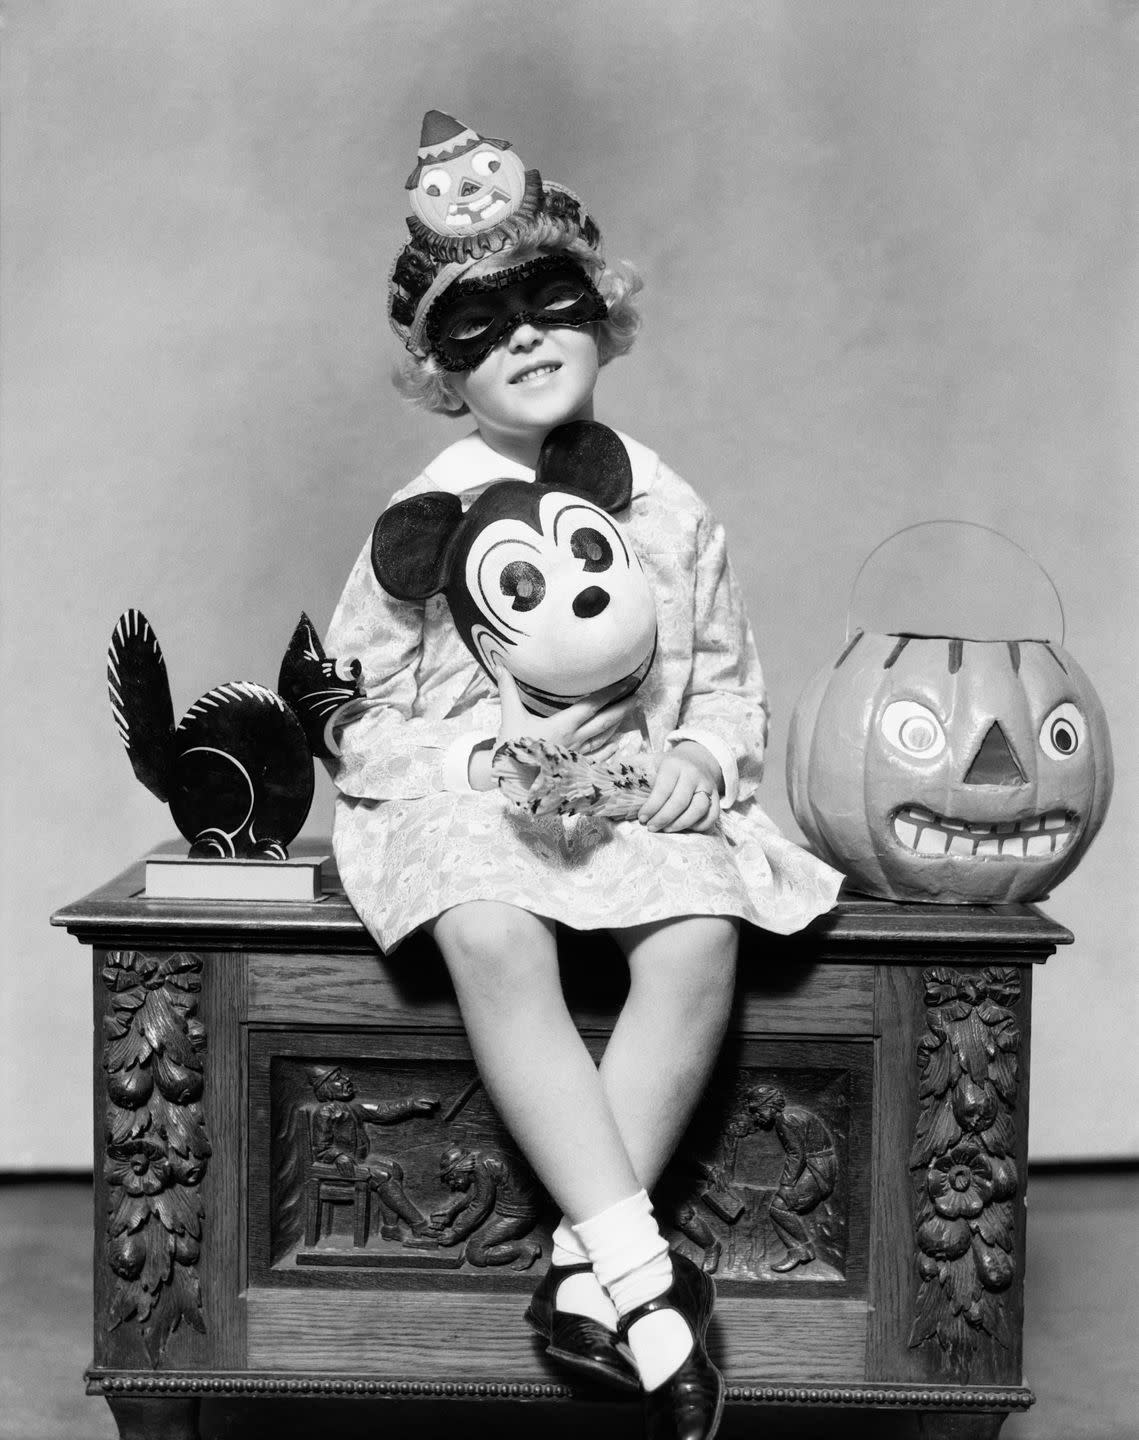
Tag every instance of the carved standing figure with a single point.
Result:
(495, 1207)
(340, 1137)
(809, 1172)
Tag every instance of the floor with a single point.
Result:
(1081, 1339)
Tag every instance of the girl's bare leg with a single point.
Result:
(667, 1037)
(539, 1076)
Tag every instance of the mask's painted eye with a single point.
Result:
(435, 182)
(1063, 732)
(592, 547)
(524, 583)
(485, 162)
(913, 728)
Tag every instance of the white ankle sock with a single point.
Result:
(579, 1294)
(568, 1249)
(629, 1254)
(630, 1258)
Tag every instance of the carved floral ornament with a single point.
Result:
(965, 1174)
(157, 1148)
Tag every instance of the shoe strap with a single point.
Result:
(579, 1267)
(659, 1302)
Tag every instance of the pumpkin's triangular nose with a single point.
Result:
(994, 763)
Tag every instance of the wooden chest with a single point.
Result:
(855, 1177)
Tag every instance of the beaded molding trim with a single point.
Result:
(922, 1397)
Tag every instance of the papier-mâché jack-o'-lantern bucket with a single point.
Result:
(949, 768)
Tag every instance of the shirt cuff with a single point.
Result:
(721, 753)
(457, 762)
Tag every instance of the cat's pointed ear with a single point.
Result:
(411, 545)
(589, 457)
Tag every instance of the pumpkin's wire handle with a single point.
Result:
(973, 524)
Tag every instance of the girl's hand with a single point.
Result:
(587, 726)
(686, 791)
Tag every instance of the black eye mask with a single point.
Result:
(474, 316)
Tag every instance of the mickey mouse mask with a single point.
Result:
(537, 576)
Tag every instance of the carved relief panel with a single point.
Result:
(156, 1146)
(369, 1156)
(769, 1184)
(386, 1162)
(967, 1188)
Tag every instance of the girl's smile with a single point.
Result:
(531, 374)
(538, 377)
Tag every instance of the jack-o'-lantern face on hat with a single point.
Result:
(470, 193)
(464, 182)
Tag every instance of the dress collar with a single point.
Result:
(468, 466)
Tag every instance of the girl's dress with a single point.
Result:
(412, 839)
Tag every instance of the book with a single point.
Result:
(725, 1202)
(176, 877)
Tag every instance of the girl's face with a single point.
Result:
(538, 377)
(520, 344)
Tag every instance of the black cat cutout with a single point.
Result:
(237, 769)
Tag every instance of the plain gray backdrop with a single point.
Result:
(890, 263)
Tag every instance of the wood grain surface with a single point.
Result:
(406, 1334)
(803, 999)
(119, 912)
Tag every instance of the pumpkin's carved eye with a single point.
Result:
(485, 162)
(913, 728)
(435, 182)
(1063, 732)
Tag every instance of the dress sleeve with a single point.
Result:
(725, 702)
(387, 751)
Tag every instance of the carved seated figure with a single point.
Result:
(341, 1146)
(496, 1205)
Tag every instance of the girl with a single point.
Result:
(507, 310)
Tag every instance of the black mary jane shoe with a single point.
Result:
(576, 1340)
(689, 1404)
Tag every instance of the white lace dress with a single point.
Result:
(412, 839)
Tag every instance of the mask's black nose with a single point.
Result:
(468, 187)
(590, 602)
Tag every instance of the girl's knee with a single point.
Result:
(692, 961)
(720, 942)
(496, 945)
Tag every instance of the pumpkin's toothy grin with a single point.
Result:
(1039, 837)
(486, 207)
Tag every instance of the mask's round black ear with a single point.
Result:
(411, 545)
(589, 457)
